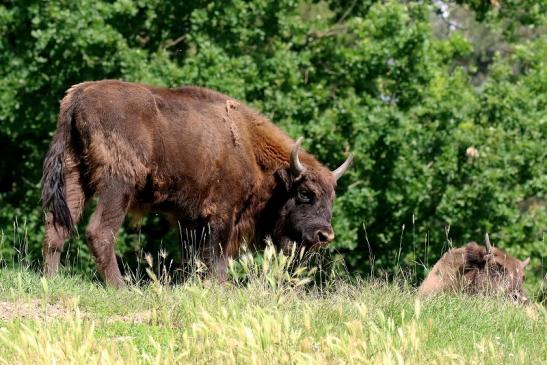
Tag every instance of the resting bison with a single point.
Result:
(477, 269)
(202, 158)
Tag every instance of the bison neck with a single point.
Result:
(258, 216)
(256, 219)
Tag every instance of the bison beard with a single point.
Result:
(198, 156)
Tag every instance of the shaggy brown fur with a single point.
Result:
(472, 269)
(202, 158)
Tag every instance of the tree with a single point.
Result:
(433, 149)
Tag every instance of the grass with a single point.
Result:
(269, 315)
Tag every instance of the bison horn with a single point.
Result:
(296, 166)
(340, 170)
(526, 262)
(488, 244)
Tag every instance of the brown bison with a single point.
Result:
(205, 160)
(477, 269)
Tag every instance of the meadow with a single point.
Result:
(270, 312)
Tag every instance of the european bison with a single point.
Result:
(202, 158)
(477, 269)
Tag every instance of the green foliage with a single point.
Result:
(368, 77)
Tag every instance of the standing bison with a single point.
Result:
(477, 269)
(200, 157)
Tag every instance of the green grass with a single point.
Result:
(275, 317)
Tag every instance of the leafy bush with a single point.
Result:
(433, 148)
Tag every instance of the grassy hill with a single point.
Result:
(268, 316)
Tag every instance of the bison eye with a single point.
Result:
(304, 196)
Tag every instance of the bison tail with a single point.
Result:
(53, 178)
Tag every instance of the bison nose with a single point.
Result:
(324, 235)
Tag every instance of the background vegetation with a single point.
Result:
(443, 104)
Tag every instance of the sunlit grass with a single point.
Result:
(270, 313)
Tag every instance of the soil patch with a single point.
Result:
(33, 309)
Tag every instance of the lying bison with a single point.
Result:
(200, 157)
(477, 269)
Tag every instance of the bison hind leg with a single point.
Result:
(113, 203)
(56, 235)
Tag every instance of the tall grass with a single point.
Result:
(271, 312)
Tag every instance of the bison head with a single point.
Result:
(306, 207)
(497, 271)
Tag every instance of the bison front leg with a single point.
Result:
(216, 260)
(218, 251)
(219, 268)
(103, 228)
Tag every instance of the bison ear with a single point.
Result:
(285, 177)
